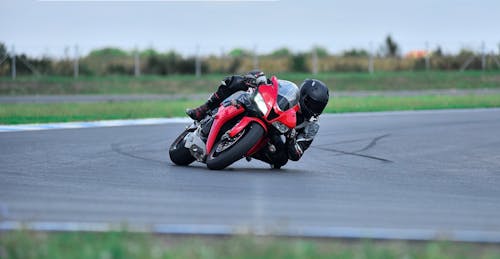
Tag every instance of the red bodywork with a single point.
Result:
(226, 113)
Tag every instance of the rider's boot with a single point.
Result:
(200, 112)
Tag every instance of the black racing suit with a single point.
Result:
(295, 142)
(294, 146)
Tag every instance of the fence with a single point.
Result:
(110, 61)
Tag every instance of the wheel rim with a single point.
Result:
(227, 142)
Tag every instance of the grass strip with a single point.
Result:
(65, 112)
(117, 245)
(188, 84)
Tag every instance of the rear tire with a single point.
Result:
(217, 161)
(179, 154)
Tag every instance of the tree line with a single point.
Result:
(115, 61)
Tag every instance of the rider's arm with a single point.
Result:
(231, 85)
(299, 143)
(235, 83)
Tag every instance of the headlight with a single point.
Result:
(280, 126)
(260, 103)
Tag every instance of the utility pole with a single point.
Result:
(13, 64)
(137, 64)
(370, 59)
(197, 62)
(427, 57)
(483, 56)
(75, 63)
(255, 58)
(66, 53)
(222, 53)
(314, 61)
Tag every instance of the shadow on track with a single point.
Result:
(118, 148)
(237, 169)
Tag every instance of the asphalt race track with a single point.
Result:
(414, 175)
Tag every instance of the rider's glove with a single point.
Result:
(295, 151)
(242, 100)
(291, 134)
(255, 78)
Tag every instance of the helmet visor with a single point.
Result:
(315, 107)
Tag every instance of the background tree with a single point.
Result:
(320, 51)
(108, 52)
(299, 62)
(438, 52)
(239, 52)
(355, 53)
(466, 53)
(391, 48)
(3, 50)
(148, 52)
(4, 67)
(281, 52)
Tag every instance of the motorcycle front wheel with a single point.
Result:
(229, 150)
(179, 154)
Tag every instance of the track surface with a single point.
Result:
(430, 170)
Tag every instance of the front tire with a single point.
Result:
(220, 160)
(179, 154)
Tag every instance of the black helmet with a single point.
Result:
(313, 97)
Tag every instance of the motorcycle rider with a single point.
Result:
(314, 97)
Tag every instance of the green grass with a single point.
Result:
(187, 84)
(117, 245)
(395, 103)
(63, 112)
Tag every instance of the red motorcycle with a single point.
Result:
(242, 126)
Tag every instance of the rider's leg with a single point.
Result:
(275, 160)
(277, 157)
(228, 86)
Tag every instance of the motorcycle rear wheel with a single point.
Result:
(179, 154)
(220, 160)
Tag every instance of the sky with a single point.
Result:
(48, 27)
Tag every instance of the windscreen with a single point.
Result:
(288, 95)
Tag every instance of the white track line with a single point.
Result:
(91, 124)
(328, 232)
